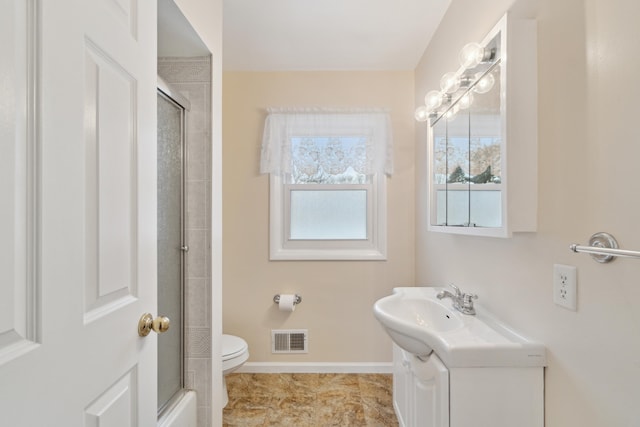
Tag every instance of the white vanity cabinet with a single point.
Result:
(459, 370)
(426, 393)
(420, 390)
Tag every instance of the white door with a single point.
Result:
(77, 212)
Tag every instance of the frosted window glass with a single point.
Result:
(485, 208)
(328, 214)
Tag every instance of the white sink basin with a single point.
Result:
(420, 323)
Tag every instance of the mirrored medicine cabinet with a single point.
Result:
(483, 137)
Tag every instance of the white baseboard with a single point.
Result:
(316, 368)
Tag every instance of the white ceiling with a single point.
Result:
(278, 35)
(176, 37)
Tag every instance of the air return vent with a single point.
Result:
(289, 341)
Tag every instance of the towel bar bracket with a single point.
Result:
(603, 247)
(603, 240)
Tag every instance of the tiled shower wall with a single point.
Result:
(192, 78)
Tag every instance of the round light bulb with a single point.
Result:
(465, 101)
(452, 113)
(422, 113)
(471, 55)
(450, 82)
(484, 84)
(433, 100)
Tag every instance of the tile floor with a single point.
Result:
(309, 400)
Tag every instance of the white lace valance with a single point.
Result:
(310, 143)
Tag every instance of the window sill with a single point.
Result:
(327, 255)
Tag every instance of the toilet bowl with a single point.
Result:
(235, 352)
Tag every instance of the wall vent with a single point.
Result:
(289, 341)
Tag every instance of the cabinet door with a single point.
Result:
(478, 130)
(431, 392)
(439, 174)
(458, 186)
(420, 390)
(401, 386)
(485, 154)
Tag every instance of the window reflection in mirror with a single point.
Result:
(467, 179)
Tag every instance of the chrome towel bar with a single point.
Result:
(603, 247)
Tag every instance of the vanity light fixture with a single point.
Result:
(485, 82)
(465, 101)
(433, 100)
(451, 113)
(422, 113)
(471, 55)
(466, 80)
(450, 82)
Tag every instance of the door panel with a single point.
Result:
(117, 406)
(125, 12)
(79, 224)
(17, 324)
(110, 190)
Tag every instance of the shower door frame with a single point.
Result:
(165, 91)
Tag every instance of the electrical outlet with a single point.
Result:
(565, 286)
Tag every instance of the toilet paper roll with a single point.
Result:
(287, 302)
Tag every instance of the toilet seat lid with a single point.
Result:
(232, 346)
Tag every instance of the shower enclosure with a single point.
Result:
(172, 247)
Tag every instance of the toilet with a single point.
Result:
(235, 352)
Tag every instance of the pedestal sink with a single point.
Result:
(420, 323)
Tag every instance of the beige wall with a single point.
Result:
(337, 296)
(589, 152)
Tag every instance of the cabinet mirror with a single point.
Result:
(466, 151)
(473, 119)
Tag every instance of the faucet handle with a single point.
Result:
(466, 298)
(467, 303)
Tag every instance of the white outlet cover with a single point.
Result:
(565, 286)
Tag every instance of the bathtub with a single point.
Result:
(181, 413)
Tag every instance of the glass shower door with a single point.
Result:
(170, 246)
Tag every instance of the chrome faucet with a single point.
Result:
(462, 302)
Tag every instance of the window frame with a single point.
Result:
(282, 248)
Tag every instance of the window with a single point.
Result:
(328, 188)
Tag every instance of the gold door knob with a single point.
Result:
(147, 323)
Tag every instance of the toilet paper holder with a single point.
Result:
(298, 300)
